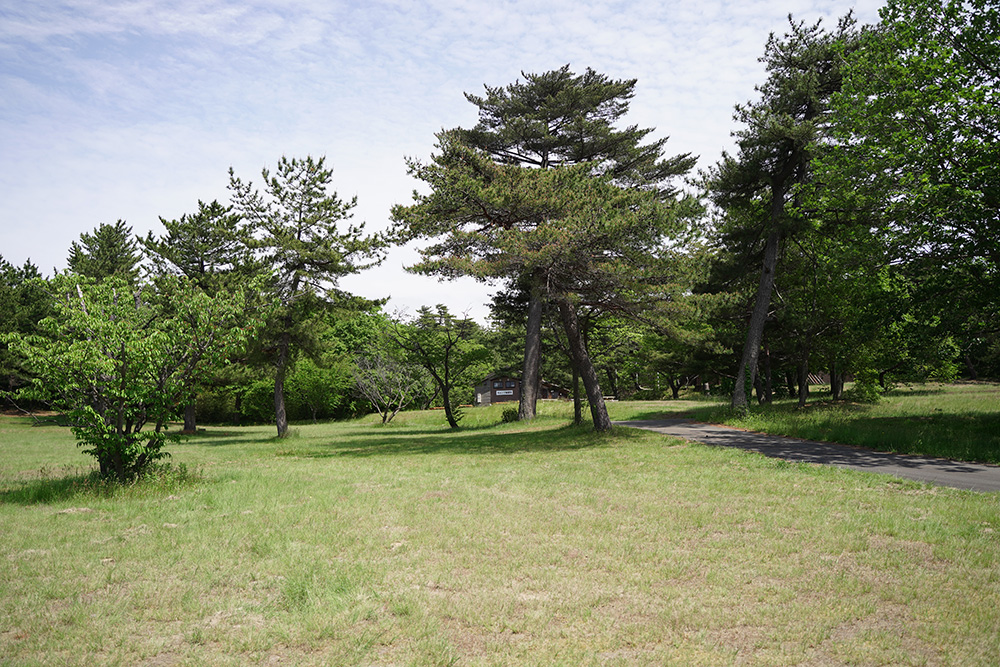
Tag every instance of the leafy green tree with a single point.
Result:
(549, 120)
(678, 342)
(319, 390)
(293, 227)
(111, 250)
(24, 302)
(919, 117)
(918, 150)
(117, 358)
(446, 346)
(207, 247)
(758, 189)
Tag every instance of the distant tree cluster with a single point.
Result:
(853, 231)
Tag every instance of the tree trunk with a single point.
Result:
(836, 382)
(598, 411)
(190, 421)
(971, 368)
(675, 387)
(532, 352)
(768, 386)
(577, 402)
(281, 368)
(755, 332)
(613, 382)
(803, 379)
(758, 386)
(430, 401)
(449, 413)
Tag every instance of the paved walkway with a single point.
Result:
(957, 474)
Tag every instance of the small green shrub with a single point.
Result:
(509, 415)
(866, 388)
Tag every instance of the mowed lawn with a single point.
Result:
(543, 544)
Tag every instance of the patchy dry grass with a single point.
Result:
(542, 544)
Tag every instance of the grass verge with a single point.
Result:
(949, 421)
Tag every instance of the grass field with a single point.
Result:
(541, 544)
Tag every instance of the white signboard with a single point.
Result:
(505, 392)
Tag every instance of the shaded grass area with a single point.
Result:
(541, 544)
(949, 421)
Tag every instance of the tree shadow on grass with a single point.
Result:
(480, 441)
(718, 412)
(35, 419)
(907, 391)
(46, 486)
(950, 435)
(228, 435)
(44, 489)
(688, 413)
(219, 438)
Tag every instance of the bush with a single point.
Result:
(866, 388)
(509, 415)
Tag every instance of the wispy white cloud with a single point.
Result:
(136, 108)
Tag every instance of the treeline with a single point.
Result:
(852, 232)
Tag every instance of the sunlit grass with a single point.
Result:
(542, 544)
(949, 421)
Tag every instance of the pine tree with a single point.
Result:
(294, 230)
(758, 188)
(586, 239)
(111, 250)
(550, 120)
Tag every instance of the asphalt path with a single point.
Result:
(957, 474)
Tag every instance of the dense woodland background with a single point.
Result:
(852, 234)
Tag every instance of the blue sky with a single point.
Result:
(136, 109)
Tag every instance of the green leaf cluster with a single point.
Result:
(117, 358)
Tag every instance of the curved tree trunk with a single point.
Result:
(598, 411)
(755, 332)
(449, 411)
(675, 386)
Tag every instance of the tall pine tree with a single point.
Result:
(758, 188)
(295, 229)
(549, 120)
